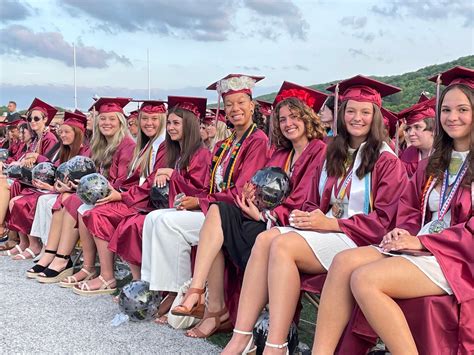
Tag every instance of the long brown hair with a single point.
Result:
(312, 122)
(338, 149)
(191, 140)
(66, 152)
(443, 144)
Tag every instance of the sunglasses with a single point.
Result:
(34, 118)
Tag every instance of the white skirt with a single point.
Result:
(43, 216)
(325, 246)
(427, 264)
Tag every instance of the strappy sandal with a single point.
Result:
(51, 276)
(83, 288)
(251, 348)
(278, 346)
(220, 327)
(197, 310)
(37, 269)
(71, 281)
(9, 252)
(30, 255)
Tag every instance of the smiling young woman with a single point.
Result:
(434, 219)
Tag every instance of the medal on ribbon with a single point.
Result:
(339, 192)
(446, 198)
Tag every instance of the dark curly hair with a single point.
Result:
(311, 120)
(337, 151)
(444, 144)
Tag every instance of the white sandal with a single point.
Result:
(22, 257)
(251, 348)
(84, 289)
(71, 281)
(278, 346)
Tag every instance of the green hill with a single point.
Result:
(412, 84)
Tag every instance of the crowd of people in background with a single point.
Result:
(380, 208)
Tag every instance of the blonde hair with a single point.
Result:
(103, 151)
(222, 132)
(142, 140)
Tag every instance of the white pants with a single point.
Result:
(168, 236)
(43, 217)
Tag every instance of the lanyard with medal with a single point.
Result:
(339, 193)
(446, 198)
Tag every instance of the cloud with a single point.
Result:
(249, 68)
(358, 53)
(365, 36)
(13, 10)
(208, 20)
(20, 40)
(353, 22)
(284, 11)
(429, 11)
(301, 67)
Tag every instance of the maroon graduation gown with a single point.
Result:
(450, 318)
(410, 158)
(102, 220)
(16, 150)
(127, 239)
(118, 173)
(253, 155)
(388, 182)
(304, 169)
(24, 208)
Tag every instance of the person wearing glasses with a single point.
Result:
(419, 129)
(43, 147)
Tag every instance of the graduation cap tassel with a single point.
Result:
(397, 138)
(438, 88)
(336, 109)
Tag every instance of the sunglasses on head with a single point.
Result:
(34, 118)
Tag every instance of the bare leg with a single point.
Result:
(290, 254)
(375, 285)
(216, 303)
(53, 238)
(211, 238)
(4, 200)
(106, 258)
(136, 271)
(254, 292)
(23, 243)
(87, 244)
(337, 302)
(68, 240)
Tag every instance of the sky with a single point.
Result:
(192, 43)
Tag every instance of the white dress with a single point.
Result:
(428, 264)
(325, 246)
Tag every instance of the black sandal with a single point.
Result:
(49, 276)
(37, 269)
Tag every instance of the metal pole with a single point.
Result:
(75, 84)
(148, 61)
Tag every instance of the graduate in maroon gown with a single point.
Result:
(187, 166)
(420, 126)
(230, 229)
(350, 203)
(22, 209)
(430, 252)
(112, 151)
